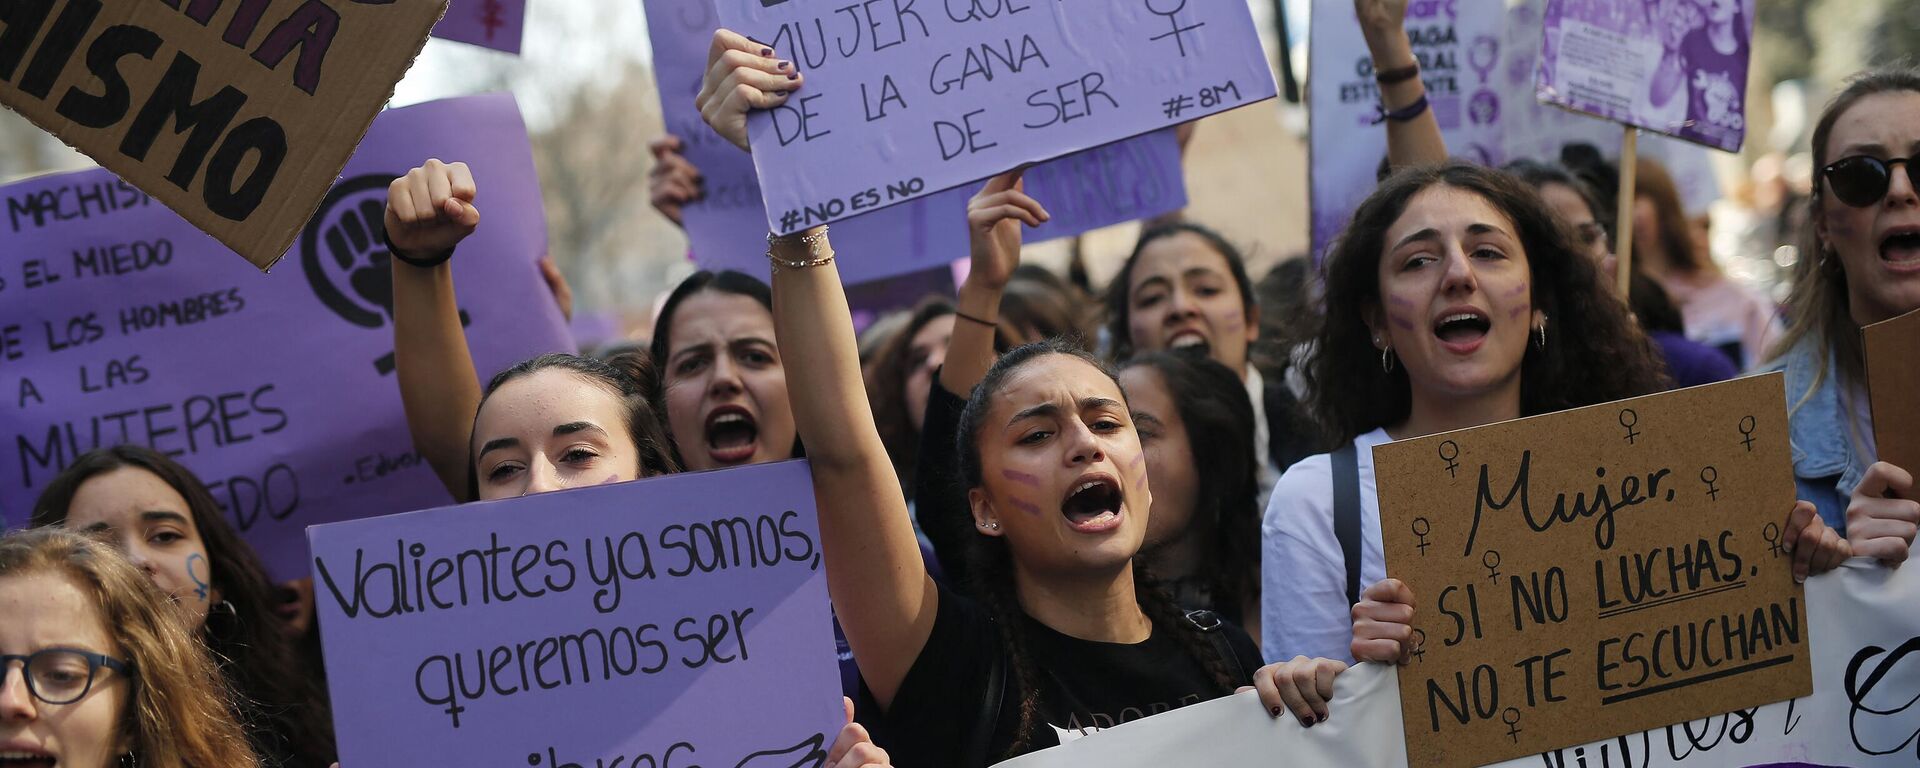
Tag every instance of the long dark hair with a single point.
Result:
(1819, 306)
(283, 707)
(1595, 354)
(1119, 298)
(1656, 185)
(626, 375)
(1218, 418)
(991, 560)
(888, 375)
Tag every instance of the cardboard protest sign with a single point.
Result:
(122, 323)
(239, 121)
(1561, 558)
(903, 102)
(495, 24)
(1893, 384)
(1677, 67)
(1478, 59)
(681, 620)
(1866, 671)
(1133, 179)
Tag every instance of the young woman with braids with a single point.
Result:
(1064, 637)
(1455, 299)
(97, 671)
(1861, 265)
(162, 517)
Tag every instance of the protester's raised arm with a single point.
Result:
(674, 181)
(881, 591)
(994, 217)
(1415, 140)
(429, 211)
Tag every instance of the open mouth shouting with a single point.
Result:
(732, 435)
(1461, 330)
(1094, 504)
(1900, 249)
(1189, 338)
(14, 757)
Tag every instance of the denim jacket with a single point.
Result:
(1826, 466)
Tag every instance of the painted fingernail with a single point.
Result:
(766, 51)
(1275, 711)
(783, 65)
(1323, 718)
(793, 75)
(1306, 723)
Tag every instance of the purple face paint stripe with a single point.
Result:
(1024, 506)
(1020, 477)
(1400, 302)
(1403, 323)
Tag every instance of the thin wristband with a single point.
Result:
(1403, 114)
(414, 261)
(965, 316)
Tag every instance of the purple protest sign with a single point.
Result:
(1127, 180)
(901, 103)
(495, 24)
(681, 620)
(122, 323)
(1677, 67)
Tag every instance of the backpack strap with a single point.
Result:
(1209, 624)
(1346, 514)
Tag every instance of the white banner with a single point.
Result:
(1864, 712)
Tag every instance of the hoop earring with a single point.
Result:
(1542, 338)
(129, 760)
(1386, 360)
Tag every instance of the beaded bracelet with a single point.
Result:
(819, 256)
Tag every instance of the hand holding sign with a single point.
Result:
(993, 226)
(674, 180)
(742, 76)
(1383, 623)
(1816, 547)
(854, 748)
(430, 210)
(1882, 517)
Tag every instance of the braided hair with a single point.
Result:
(991, 559)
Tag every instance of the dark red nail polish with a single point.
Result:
(766, 51)
(1275, 711)
(783, 65)
(793, 75)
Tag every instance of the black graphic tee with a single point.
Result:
(1085, 686)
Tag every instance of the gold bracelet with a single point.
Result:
(818, 256)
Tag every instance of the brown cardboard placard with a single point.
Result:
(237, 114)
(1595, 572)
(1893, 385)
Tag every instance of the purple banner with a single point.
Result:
(495, 24)
(904, 102)
(1120, 182)
(122, 323)
(1677, 67)
(676, 621)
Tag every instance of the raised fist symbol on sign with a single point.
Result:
(344, 255)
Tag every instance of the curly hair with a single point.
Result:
(1598, 354)
(282, 703)
(177, 713)
(991, 558)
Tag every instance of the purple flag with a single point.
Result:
(903, 102)
(122, 323)
(495, 24)
(681, 621)
(1677, 67)
(1120, 182)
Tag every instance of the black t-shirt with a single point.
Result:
(1084, 685)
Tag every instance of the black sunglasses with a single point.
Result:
(1861, 180)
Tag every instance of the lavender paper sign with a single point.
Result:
(495, 24)
(1127, 180)
(676, 621)
(1677, 67)
(122, 323)
(902, 102)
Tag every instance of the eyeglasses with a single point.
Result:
(61, 675)
(1861, 180)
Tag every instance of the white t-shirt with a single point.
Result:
(1303, 575)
